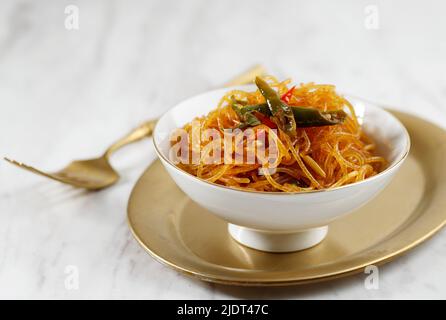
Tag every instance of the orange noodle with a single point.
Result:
(313, 158)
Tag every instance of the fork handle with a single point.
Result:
(139, 133)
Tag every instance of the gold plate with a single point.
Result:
(179, 233)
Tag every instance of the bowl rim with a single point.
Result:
(400, 159)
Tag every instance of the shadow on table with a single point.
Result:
(330, 289)
(323, 290)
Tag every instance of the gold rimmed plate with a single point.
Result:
(188, 238)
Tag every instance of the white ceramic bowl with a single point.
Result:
(282, 222)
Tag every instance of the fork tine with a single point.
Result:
(70, 180)
(36, 171)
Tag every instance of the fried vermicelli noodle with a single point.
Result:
(312, 158)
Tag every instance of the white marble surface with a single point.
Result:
(67, 94)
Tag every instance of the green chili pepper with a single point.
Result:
(302, 116)
(246, 117)
(305, 116)
(281, 112)
(312, 117)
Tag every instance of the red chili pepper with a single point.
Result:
(265, 120)
(287, 95)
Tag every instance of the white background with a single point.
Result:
(67, 94)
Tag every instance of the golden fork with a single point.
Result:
(95, 174)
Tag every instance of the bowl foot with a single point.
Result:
(277, 241)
